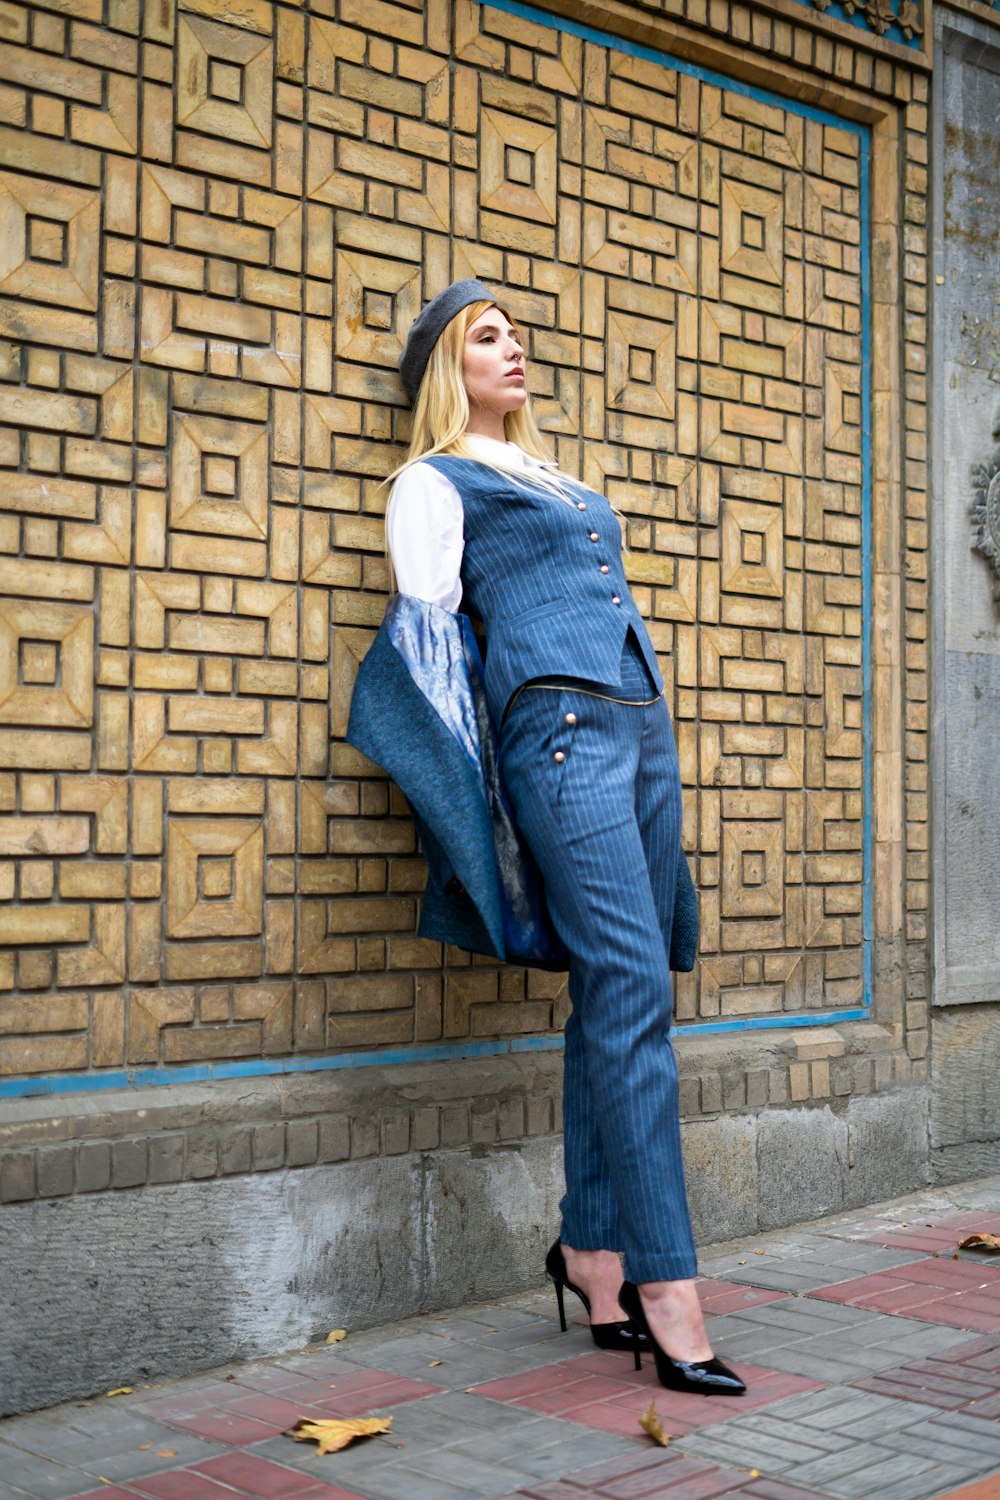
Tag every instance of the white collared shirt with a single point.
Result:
(424, 524)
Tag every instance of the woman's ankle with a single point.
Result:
(673, 1310)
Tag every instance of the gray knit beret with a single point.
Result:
(430, 325)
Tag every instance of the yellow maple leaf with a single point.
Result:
(650, 1422)
(120, 1390)
(336, 1335)
(332, 1434)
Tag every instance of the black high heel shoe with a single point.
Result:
(698, 1377)
(619, 1336)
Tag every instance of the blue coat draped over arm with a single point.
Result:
(419, 711)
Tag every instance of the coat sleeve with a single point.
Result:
(419, 711)
(403, 726)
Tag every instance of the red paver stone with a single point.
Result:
(266, 1380)
(308, 1392)
(349, 1395)
(186, 1403)
(513, 1387)
(946, 1273)
(978, 1354)
(249, 1474)
(565, 1400)
(958, 1293)
(720, 1297)
(179, 1484)
(277, 1411)
(352, 1379)
(983, 1489)
(240, 1417)
(940, 1233)
(617, 1367)
(392, 1392)
(604, 1391)
(226, 1427)
(681, 1414)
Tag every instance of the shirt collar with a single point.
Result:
(509, 455)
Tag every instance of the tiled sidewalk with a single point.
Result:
(871, 1349)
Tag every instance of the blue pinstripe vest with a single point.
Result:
(546, 579)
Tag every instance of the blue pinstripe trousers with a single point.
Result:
(595, 786)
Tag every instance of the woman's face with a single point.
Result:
(493, 367)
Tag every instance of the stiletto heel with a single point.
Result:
(559, 1301)
(624, 1336)
(698, 1377)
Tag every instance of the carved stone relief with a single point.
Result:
(986, 515)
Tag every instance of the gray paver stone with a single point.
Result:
(870, 1471)
(485, 1479)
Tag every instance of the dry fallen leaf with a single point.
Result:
(754, 1473)
(336, 1335)
(166, 1452)
(332, 1435)
(120, 1390)
(433, 1364)
(760, 1252)
(980, 1242)
(650, 1422)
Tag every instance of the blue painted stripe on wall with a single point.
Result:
(197, 1073)
(88, 1083)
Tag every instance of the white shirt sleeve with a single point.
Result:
(424, 527)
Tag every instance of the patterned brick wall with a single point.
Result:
(218, 222)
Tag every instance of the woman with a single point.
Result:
(588, 759)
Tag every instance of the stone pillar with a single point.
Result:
(965, 1110)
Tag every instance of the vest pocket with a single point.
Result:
(538, 612)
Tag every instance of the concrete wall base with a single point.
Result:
(106, 1288)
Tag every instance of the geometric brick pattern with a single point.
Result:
(215, 235)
